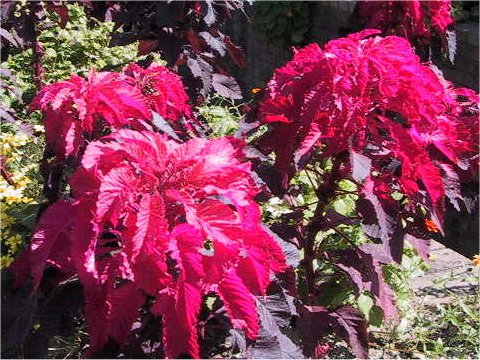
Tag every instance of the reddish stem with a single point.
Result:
(325, 193)
(37, 48)
(5, 173)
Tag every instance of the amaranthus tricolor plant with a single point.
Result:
(420, 22)
(147, 216)
(402, 136)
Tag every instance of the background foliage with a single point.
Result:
(284, 22)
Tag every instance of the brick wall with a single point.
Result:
(465, 70)
(327, 20)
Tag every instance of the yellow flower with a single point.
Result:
(476, 260)
(23, 182)
(5, 261)
(11, 199)
(6, 147)
(7, 221)
(13, 240)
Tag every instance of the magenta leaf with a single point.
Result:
(52, 232)
(240, 304)
(111, 312)
(415, 20)
(78, 106)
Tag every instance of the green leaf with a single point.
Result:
(209, 301)
(365, 304)
(344, 205)
(375, 316)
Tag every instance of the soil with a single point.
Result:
(451, 275)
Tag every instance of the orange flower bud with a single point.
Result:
(431, 226)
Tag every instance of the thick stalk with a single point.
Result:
(326, 192)
(37, 47)
(7, 176)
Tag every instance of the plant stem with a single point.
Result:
(325, 193)
(37, 47)
(7, 176)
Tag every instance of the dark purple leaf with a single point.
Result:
(381, 225)
(313, 323)
(172, 28)
(55, 316)
(6, 35)
(146, 47)
(271, 342)
(361, 166)
(9, 84)
(471, 203)
(271, 178)
(395, 244)
(60, 10)
(380, 221)
(237, 340)
(290, 248)
(203, 71)
(236, 53)
(5, 114)
(366, 274)
(378, 251)
(161, 124)
(122, 39)
(418, 229)
(111, 12)
(214, 42)
(452, 45)
(253, 154)
(332, 219)
(280, 304)
(421, 245)
(18, 308)
(226, 86)
(7, 8)
(346, 322)
(210, 16)
(451, 181)
(350, 325)
(307, 146)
